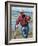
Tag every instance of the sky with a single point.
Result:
(15, 10)
(22, 8)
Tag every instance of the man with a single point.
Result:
(23, 20)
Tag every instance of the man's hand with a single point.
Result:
(16, 26)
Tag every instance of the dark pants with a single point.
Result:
(25, 30)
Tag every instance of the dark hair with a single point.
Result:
(23, 16)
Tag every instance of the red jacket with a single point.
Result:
(22, 21)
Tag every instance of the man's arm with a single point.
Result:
(17, 22)
(28, 18)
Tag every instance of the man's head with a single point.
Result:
(22, 12)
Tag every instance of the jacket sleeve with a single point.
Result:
(17, 21)
(28, 18)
